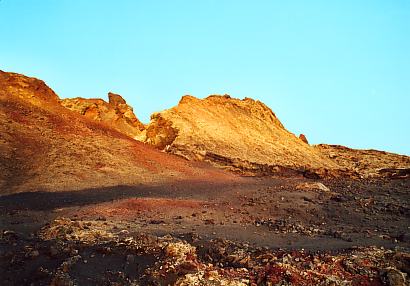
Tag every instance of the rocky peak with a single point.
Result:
(116, 112)
(116, 99)
(26, 87)
(254, 108)
(123, 109)
(237, 134)
(187, 98)
(303, 138)
(240, 134)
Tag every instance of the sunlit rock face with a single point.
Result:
(115, 113)
(233, 133)
(240, 135)
(48, 147)
(27, 88)
(246, 136)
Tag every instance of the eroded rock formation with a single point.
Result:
(303, 138)
(246, 136)
(47, 147)
(240, 135)
(115, 113)
(237, 134)
(368, 163)
(27, 88)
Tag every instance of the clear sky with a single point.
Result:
(337, 71)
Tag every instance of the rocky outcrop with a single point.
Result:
(115, 113)
(236, 134)
(245, 136)
(303, 138)
(162, 133)
(367, 163)
(28, 88)
(47, 147)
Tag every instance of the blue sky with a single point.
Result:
(337, 71)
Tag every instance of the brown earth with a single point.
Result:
(252, 233)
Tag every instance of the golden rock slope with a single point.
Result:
(240, 134)
(80, 143)
(245, 135)
(46, 147)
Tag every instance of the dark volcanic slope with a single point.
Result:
(44, 146)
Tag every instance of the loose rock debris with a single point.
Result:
(74, 252)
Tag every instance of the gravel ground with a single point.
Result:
(265, 231)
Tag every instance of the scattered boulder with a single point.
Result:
(316, 186)
(395, 277)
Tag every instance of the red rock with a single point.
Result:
(303, 138)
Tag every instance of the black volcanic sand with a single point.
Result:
(261, 213)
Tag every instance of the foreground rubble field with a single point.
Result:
(74, 252)
(270, 231)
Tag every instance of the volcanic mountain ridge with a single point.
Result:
(83, 143)
(46, 147)
(246, 136)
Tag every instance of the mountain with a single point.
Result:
(47, 147)
(239, 134)
(51, 144)
(246, 136)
